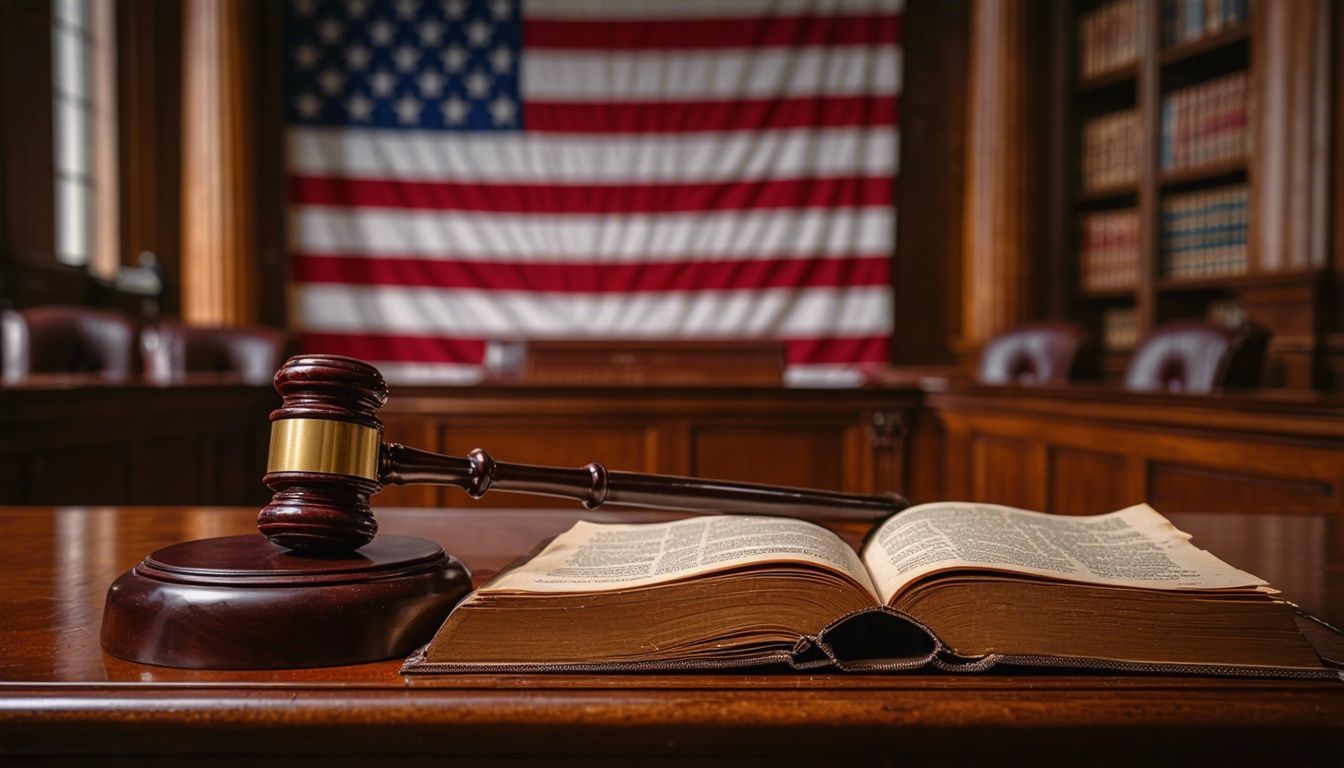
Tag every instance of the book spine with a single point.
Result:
(1204, 234)
(1206, 124)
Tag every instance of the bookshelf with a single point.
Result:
(1158, 182)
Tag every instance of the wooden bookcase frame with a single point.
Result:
(1284, 289)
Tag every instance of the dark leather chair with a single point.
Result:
(1032, 355)
(172, 350)
(62, 339)
(1197, 357)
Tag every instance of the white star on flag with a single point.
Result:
(478, 84)
(431, 84)
(330, 31)
(382, 82)
(454, 58)
(331, 81)
(360, 107)
(407, 109)
(503, 110)
(357, 57)
(431, 32)
(406, 57)
(381, 32)
(455, 111)
(478, 33)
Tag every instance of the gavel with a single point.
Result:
(327, 457)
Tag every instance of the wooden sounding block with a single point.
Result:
(245, 602)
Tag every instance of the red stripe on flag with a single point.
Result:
(592, 198)
(872, 29)
(397, 348)
(439, 349)
(700, 116)
(592, 277)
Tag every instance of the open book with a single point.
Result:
(942, 586)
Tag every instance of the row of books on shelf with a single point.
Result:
(1204, 233)
(1109, 37)
(1119, 328)
(1206, 123)
(1120, 325)
(1185, 21)
(1111, 150)
(1110, 250)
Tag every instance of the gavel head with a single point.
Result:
(325, 452)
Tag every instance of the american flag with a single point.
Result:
(465, 171)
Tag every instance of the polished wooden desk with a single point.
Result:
(61, 698)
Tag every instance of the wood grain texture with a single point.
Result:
(75, 441)
(1004, 177)
(219, 270)
(1069, 450)
(60, 695)
(811, 438)
(926, 272)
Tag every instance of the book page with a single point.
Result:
(594, 557)
(1135, 547)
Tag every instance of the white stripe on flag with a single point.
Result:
(429, 373)
(584, 10)
(808, 312)
(612, 76)
(627, 238)
(576, 159)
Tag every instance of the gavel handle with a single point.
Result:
(593, 485)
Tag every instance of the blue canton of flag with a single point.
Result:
(450, 65)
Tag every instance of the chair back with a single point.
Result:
(1197, 357)
(172, 350)
(1032, 355)
(66, 339)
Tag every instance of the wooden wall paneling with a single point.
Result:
(806, 455)
(795, 437)
(420, 432)
(1290, 199)
(1148, 102)
(928, 455)
(1290, 193)
(149, 74)
(1008, 470)
(271, 186)
(926, 271)
(1183, 486)
(1087, 482)
(886, 441)
(135, 444)
(29, 272)
(219, 257)
(1005, 183)
(1187, 467)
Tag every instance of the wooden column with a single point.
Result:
(1291, 85)
(219, 253)
(1004, 180)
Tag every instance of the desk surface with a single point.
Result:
(60, 694)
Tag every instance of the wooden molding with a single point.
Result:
(1002, 174)
(219, 254)
(1291, 91)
